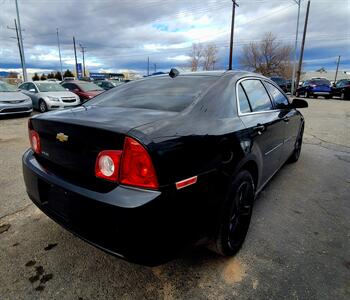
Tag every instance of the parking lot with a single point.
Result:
(298, 245)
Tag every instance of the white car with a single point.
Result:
(49, 95)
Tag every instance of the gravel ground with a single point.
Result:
(298, 245)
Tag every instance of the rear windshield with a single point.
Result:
(157, 93)
(320, 81)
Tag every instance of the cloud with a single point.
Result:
(122, 34)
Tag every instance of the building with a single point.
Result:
(322, 73)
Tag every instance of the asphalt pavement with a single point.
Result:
(298, 245)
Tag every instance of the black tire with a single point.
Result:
(42, 106)
(297, 94)
(342, 96)
(235, 215)
(328, 97)
(307, 95)
(297, 147)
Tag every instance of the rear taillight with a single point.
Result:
(35, 141)
(132, 166)
(136, 167)
(107, 164)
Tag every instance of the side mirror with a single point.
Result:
(299, 103)
(32, 90)
(67, 89)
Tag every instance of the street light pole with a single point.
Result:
(298, 2)
(83, 51)
(21, 42)
(303, 42)
(234, 4)
(59, 52)
(336, 72)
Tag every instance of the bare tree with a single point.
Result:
(196, 56)
(268, 57)
(210, 57)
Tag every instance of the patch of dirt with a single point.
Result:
(233, 272)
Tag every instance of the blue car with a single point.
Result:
(314, 88)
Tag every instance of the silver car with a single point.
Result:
(12, 101)
(48, 95)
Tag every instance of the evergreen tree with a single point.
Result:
(35, 77)
(68, 73)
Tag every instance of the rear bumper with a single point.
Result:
(138, 225)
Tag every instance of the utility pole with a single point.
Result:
(83, 51)
(148, 66)
(234, 4)
(59, 52)
(303, 42)
(155, 68)
(298, 2)
(21, 43)
(336, 72)
(75, 55)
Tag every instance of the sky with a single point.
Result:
(120, 34)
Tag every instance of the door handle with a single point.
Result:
(259, 128)
(286, 119)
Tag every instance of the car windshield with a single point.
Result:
(49, 87)
(320, 82)
(89, 86)
(5, 87)
(158, 93)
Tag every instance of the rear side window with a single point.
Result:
(258, 97)
(157, 93)
(278, 97)
(244, 106)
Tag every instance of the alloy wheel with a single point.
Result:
(240, 215)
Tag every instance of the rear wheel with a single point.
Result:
(297, 148)
(236, 215)
(42, 106)
(307, 94)
(342, 96)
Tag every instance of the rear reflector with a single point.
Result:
(35, 141)
(183, 183)
(107, 164)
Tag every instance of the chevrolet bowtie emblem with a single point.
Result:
(62, 137)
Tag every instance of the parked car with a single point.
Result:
(12, 101)
(49, 95)
(282, 83)
(154, 166)
(314, 88)
(85, 90)
(342, 89)
(105, 84)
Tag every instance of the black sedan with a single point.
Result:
(282, 83)
(148, 169)
(342, 89)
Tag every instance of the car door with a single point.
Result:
(290, 117)
(33, 94)
(338, 87)
(265, 124)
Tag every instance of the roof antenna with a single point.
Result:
(173, 73)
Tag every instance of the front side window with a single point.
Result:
(257, 95)
(278, 97)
